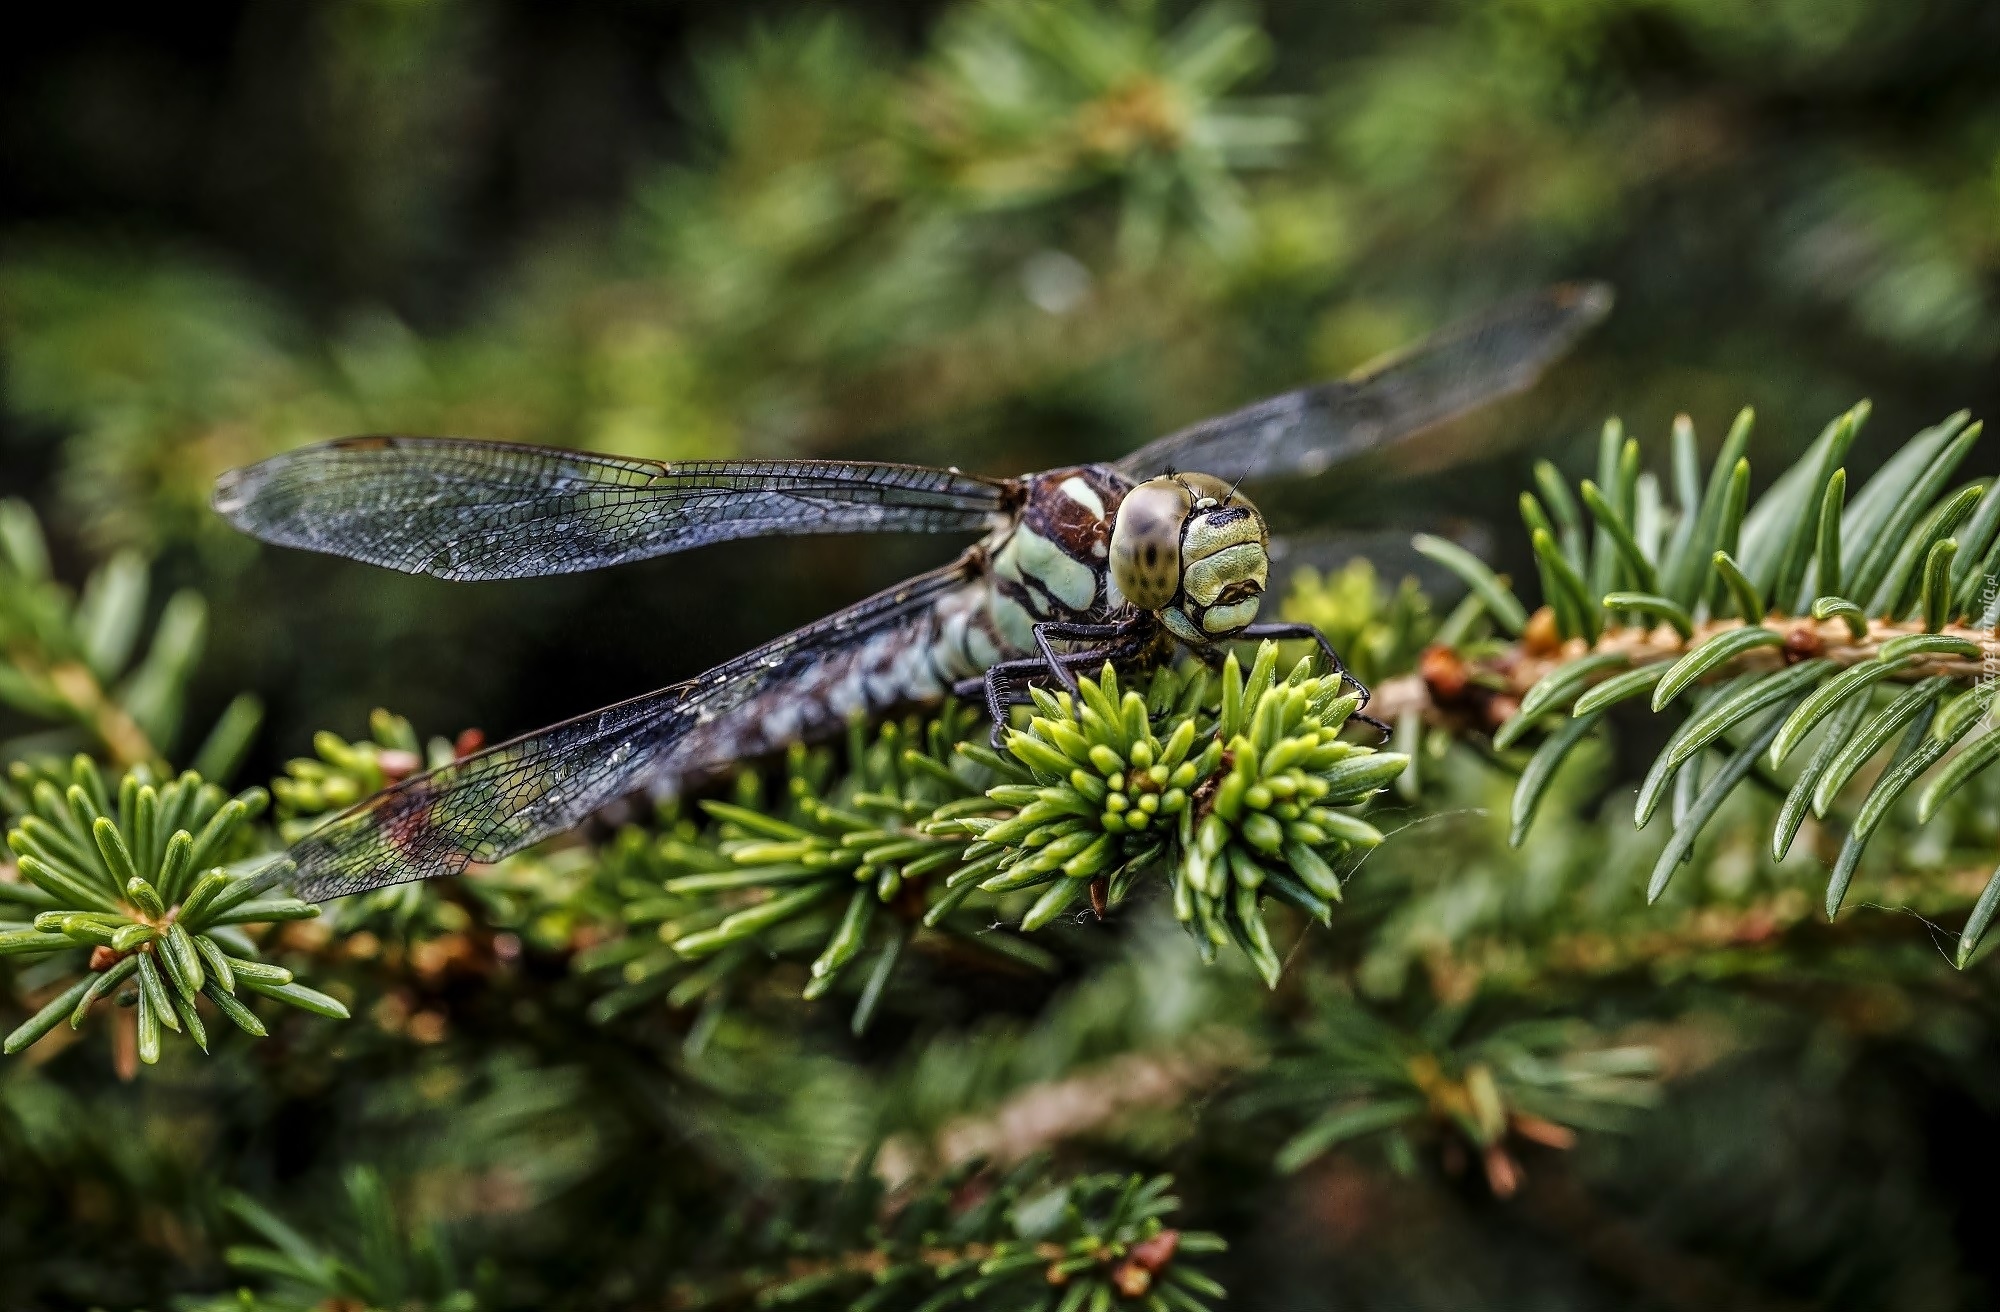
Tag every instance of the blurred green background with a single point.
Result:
(996, 235)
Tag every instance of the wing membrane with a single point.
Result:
(1465, 365)
(461, 509)
(518, 793)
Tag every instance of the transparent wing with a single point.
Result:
(1463, 366)
(461, 509)
(513, 795)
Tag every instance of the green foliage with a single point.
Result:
(378, 1261)
(843, 867)
(141, 883)
(1532, 1080)
(1002, 1241)
(1750, 593)
(1274, 824)
(1235, 785)
(1095, 793)
(977, 1239)
(69, 658)
(340, 773)
(1030, 101)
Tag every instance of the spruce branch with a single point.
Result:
(1236, 785)
(1357, 1076)
(139, 896)
(1048, 1114)
(839, 868)
(1865, 628)
(1241, 799)
(1003, 1242)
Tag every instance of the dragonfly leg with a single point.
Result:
(998, 685)
(1280, 630)
(1001, 682)
(1058, 663)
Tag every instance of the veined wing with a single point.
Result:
(461, 509)
(508, 797)
(1463, 366)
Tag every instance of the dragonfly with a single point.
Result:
(1126, 562)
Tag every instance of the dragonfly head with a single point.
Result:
(1192, 549)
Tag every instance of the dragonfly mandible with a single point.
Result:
(1123, 562)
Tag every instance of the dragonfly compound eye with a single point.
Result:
(1146, 542)
(1225, 563)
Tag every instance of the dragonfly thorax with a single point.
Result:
(1193, 550)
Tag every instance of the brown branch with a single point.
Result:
(1451, 691)
(1040, 1116)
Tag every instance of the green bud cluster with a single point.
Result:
(137, 881)
(1103, 798)
(341, 773)
(1269, 820)
(1234, 783)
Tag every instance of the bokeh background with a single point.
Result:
(1001, 236)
